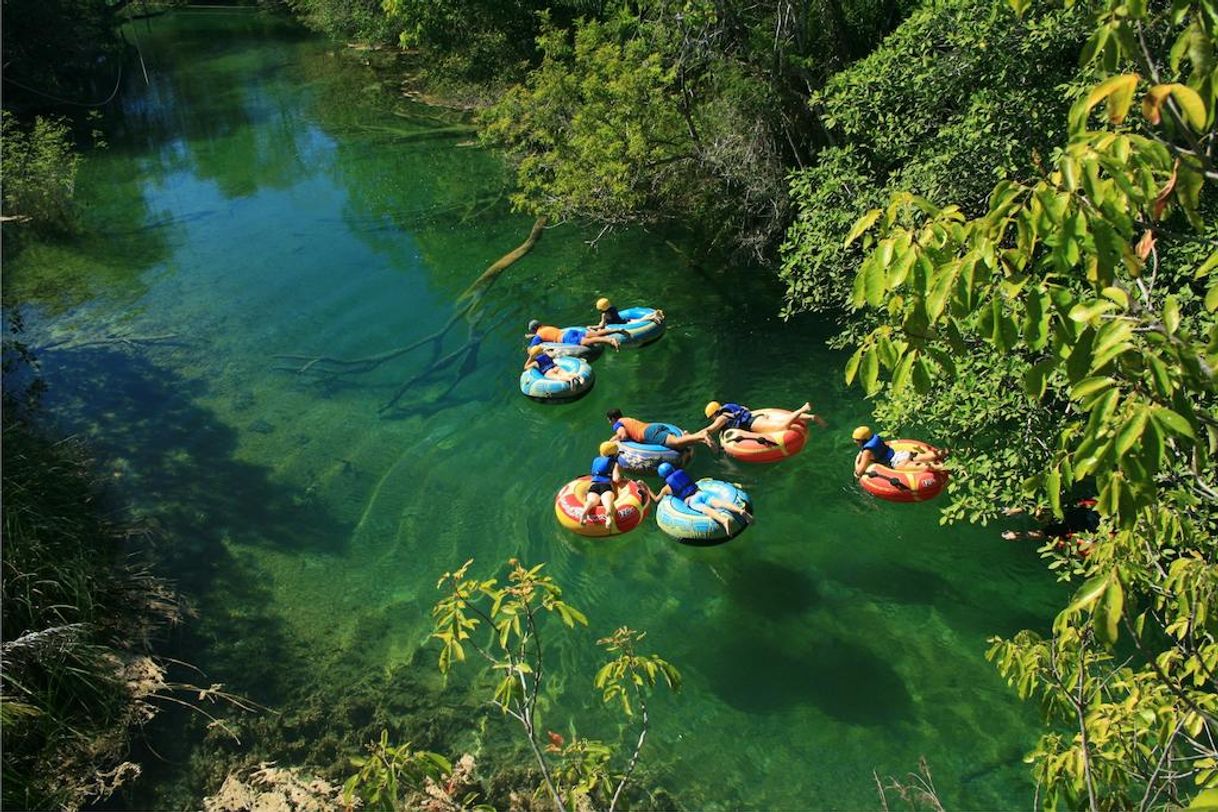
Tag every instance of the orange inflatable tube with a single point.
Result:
(903, 484)
(744, 445)
(629, 508)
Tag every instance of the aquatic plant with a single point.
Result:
(582, 774)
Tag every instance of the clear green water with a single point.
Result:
(258, 198)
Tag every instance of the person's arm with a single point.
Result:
(617, 476)
(600, 325)
(717, 424)
(530, 364)
(862, 462)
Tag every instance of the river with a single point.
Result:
(266, 193)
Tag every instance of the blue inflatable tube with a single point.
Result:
(688, 526)
(638, 328)
(538, 387)
(645, 457)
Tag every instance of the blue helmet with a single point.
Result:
(664, 470)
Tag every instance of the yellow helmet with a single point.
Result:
(608, 448)
(712, 407)
(862, 433)
(603, 304)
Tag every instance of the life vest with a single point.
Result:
(602, 469)
(547, 333)
(614, 317)
(738, 417)
(544, 363)
(879, 449)
(635, 429)
(682, 486)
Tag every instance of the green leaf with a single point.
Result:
(875, 277)
(852, 365)
(862, 224)
(1173, 422)
(1088, 593)
(1171, 314)
(870, 371)
(1131, 432)
(900, 376)
(1053, 486)
(1190, 102)
(1211, 298)
(1091, 386)
(1116, 295)
(1108, 613)
(1085, 312)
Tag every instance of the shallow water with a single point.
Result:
(265, 194)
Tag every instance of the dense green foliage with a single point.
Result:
(679, 112)
(962, 94)
(38, 168)
(1064, 340)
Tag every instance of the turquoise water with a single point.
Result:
(267, 194)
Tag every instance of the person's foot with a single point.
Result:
(615, 343)
(1010, 535)
(820, 421)
(583, 520)
(659, 316)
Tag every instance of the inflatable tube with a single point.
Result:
(646, 457)
(638, 328)
(915, 486)
(688, 526)
(555, 349)
(538, 387)
(630, 508)
(743, 447)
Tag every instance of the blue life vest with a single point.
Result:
(544, 363)
(879, 449)
(682, 486)
(738, 417)
(602, 469)
(536, 340)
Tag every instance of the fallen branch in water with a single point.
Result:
(465, 307)
(128, 341)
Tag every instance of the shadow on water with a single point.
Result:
(895, 582)
(771, 589)
(180, 458)
(763, 672)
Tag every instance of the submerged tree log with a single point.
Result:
(465, 307)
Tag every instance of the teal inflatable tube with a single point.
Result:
(538, 387)
(638, 329)
(646, 457)
(688, 526)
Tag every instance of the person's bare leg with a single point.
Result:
(610, 516)
(724, 520)
(689, 439)
(722, 505)
(589, 503)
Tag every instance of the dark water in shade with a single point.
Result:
(264, 194)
